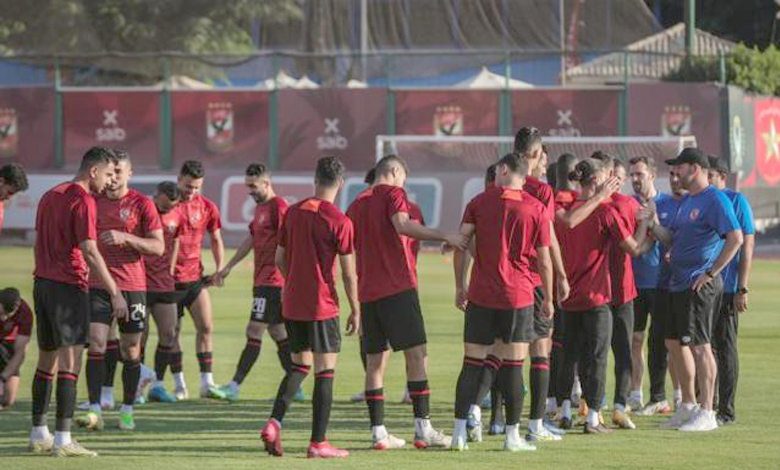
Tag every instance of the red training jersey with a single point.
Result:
(544, 193)
(386, 264)
(133, 213)
(20, 324)
(621, 266)
(264, 229)
(199, 216)
(158, 268)
(509, 225)
(2, 215)
(586, 250)
(66, 217)
(415, 215)
(312, 234)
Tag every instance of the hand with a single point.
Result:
(461, 298)
(610, 187)
(701, 281)
(113, 237)
(458, 241)
(562, 289)
(353, 324)
(119, 307)
(446, 248)
(218, 279)
(741, 302)
(548, 309)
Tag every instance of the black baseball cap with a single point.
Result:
(717, 164)
(690, 155)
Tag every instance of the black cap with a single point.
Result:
(717, 164)
(690, 155)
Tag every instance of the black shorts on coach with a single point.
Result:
(396, 319)
(101, 310)
(644, 306)
(61, 314)
(484, 325)
(321, 336)
(542, 324)
(154, 298)
(188, 292)
(267, 305)
(693, 313)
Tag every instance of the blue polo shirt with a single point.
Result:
(744, 214)
(701, 224)
(647, 267)
(667, 211)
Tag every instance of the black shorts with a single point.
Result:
(267, 305)
(154, 298)
(100, 306)
(542, 324)
(61, 314)
(321, 336)
(6, 353)
(693, 313)
(484, 325)
(662, 313)
(396, 320)
(644, 306)
(188, 292)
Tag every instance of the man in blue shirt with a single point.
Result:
(647, 270)
(735, 294)
(698, 255)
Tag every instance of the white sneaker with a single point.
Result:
(514, 443)
(681, 416)
(633, 405)
(474, 429)
(358, 397)
(543, 435)
(107, 400)
(39, 446)
(432, 438)
(702, 420)
(387, 442)
(147, 377)
(653, 408)
(74, 449)
(83, 406)
(181, 393)
(459, 443)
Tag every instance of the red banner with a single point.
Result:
(127, 120)
(446, 112)
(767, 125)
(567, 113)
(27, 127)
(341, 122)
(220, 127)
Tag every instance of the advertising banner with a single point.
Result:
(741, 142)
(767, 140)
(27, 127)
(567, 113)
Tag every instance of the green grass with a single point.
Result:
(225, 436)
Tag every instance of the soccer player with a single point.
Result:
(314, 233)
(586, 252)
(647, 268)
(389, 301)
(161, 288)
(16, 320)
(128, 228)
(512, 230)
(198, 216)
(266, 312)
(66, 252)
(698, 255)
(735, 296)
(12, 180)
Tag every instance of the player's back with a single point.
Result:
(264, 229)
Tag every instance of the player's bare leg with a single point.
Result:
(637, 369)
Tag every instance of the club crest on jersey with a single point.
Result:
(676, 121)
(194, 218)
(124, 213)
(219, 126)
(694, 214)
(448, 121)
(9, 132)
(171, 228)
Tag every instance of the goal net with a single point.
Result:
(474, 153)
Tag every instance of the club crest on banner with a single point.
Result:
(448, 121)
(737, 141)
(9, 133)
(219, 126)
(676, 121)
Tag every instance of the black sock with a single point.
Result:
(111, 357)
(142, 358)
(496, 403)
(131, 374)
(41, 396)
(489, 369)
(66, 399)
(510, 379)
(162, 359)
(176, 362)
(375, 399)
(290, 384)
(421, 398)
(96, 368)
(540, 381)
(362, 353)
(556, 365)
(248, 358)
(468, 386)
(204, 361)
(284, 354)
(321, 404)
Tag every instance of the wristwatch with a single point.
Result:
(743, 290)
(710, 273)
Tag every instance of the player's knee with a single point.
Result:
(255, 330)
(206, 329)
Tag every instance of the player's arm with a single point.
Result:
(461, 262)
(98, 265)
(153, 244)
(633, 244)
(281, 260)
(404, 226)
(174, 255)
(350, 279)
(241, 253)
(562, 287)
(20, 349)
(545, 266)
(574, 217)
(218, 249)
(745, 265)
(734, 239)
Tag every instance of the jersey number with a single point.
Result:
(137, 312)
(258, 306)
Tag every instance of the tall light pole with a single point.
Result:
(364, 38)
(690, 28)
